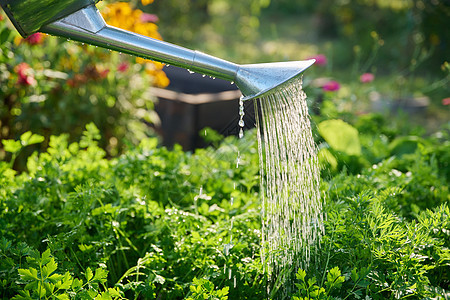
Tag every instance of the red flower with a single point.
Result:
(123, 67)
(446, 101)
(25, 77)
(366, 77)
(35, 39)
(104, 73)
(321, 60)
(331, 86)
(149, 18)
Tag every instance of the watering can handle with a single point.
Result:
(28, 16)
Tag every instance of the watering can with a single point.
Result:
(80, 20)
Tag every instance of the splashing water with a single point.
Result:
(291, 206)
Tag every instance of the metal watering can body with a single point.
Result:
(81, 21)
(28, 16)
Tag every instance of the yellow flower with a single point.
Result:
(120, 14)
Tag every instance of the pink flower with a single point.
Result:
(149, 18)
(331, 86)
(25, 77)
(35, 38)
(446, 101)
(366, 77)
(321, 60)
(123, 67)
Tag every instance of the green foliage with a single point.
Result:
(53, 86)
(340, 136)
(394, 34)
(204, 289)
(14, 147)
(153, 218)
(44, 282)
(397, 258)
(194, 22)
(308, 289)
(155, 223)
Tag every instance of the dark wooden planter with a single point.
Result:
(192, 102)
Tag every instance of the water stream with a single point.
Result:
(291, 206)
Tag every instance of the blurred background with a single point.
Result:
(382, 57)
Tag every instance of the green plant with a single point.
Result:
(204, 289)
(44, 282)
(158, 223)
(54, 86)
(308, 289)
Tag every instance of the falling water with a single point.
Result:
(291, 206)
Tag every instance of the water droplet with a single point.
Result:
(214, 78)
(229, 274)
(232, 82)
(204, 75)
(234, 281)
(241, 133)
(190, 72)
(241, 123)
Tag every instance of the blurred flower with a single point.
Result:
(149, 18)
(123, 67)
(321, 60)
(155, 70)
(25, 75)
(104, 73)
(35, 39)
(90, 73)
(366, 77)
(95, 73)
(331, 86)
(121, 14)
(446, 101)
(1, 17)
(77, 80)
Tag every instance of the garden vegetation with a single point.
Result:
(92, 207)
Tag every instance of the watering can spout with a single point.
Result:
(81, 21)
